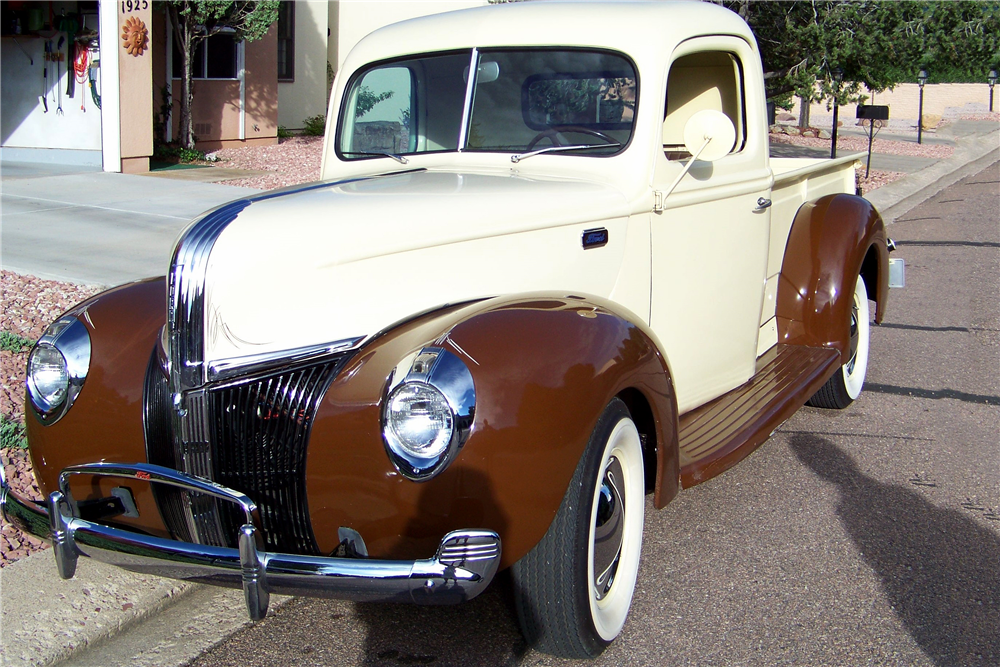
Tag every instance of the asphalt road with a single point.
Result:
(864, 536)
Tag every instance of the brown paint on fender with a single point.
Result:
(544, 369)
(827, 246)
(105, 423)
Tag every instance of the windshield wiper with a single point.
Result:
(398, 158)
(552, 149)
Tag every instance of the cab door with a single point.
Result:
(710, 238)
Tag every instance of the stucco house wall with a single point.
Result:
(216, 110)
(306, 95)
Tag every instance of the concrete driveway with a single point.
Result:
(93, 227)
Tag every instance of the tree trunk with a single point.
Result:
(804, 112)
(186, 41)
(186, 125)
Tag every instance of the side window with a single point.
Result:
(709, 80)
(380, 110)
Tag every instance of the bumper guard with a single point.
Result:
(463, 566)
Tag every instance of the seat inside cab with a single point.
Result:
(708, 80)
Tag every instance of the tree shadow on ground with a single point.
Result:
(939, 569)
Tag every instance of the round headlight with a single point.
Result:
(57, 368)
(419, 421)
(48, 378)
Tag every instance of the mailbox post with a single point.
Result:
(872, 113)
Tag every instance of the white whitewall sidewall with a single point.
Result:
(854, 380)
(610, 612)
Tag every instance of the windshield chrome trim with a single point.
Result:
(470, 86)
(224, 369)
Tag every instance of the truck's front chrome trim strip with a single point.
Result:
(224, 369)
(465, 563)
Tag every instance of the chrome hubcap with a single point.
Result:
(855, 335)
(609, 528)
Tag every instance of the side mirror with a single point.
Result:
(709, 135)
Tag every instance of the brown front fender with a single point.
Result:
(833, 240)
(544, 368)
(106, 422)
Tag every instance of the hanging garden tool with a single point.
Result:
(45, 77)
(70, 26)
(59, 57)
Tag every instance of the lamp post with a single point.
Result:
(992, 80)
(921, 79)
(838, 76)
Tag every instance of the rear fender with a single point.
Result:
(544, 368)
(832, 240)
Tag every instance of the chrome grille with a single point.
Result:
(259, 448)
(160, 450)
(257, 444)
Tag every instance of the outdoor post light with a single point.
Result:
(838, 76)
(921, 79)
(992, 80)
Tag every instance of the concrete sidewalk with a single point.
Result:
(106, 616)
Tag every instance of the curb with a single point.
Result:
(46, 620)
(109, 616)
(972, 154)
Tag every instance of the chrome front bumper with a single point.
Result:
(463, 566)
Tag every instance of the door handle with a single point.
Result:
(763, 203)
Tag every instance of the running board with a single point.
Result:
(720, 434)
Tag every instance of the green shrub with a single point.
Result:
(315, 126)
(189, 155)
(283, 132)
(12, 434)
(167, 152)
(11, 342)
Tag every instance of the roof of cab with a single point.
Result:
(641, 29)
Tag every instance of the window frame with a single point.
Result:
(202, 66)
(359, 75)
(289, 75)
(739, 72)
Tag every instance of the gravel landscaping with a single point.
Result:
(293, 160)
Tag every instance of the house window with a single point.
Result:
(286, 41)
(214, 58)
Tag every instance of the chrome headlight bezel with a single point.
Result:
(68, 337)
(434, 372)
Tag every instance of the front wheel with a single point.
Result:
(845, 385)
(574, 589)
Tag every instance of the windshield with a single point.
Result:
(525, 101)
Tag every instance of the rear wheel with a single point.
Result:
(574, 589)
(845, 385)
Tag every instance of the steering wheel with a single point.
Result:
(553, 133)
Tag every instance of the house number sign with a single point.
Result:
(134, 5)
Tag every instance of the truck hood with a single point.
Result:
(328, 263)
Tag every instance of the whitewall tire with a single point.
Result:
(573, 591)
(845, 385)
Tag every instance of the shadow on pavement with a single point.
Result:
(482, 631)
(939, 570)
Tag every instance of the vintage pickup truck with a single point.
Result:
(550, 268)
